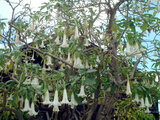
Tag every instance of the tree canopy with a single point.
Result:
(89, 53)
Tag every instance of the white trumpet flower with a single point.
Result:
(86, 43)
(49, 60)
(17, 41)
(147, 110)
(27, 81)
(142, 103)
(32, 111)
(64, 43)
(82, 93)
(46, 98)
(76, 36)
(37, 47)
(97, 59)
(84, 101)
(136, 99)
(78, 63)
(10, 97)
(69, 58)
(156, 79)
(42, 44)
(147, 104)
(73, 101)
(57, 41)
(87, 66)
(55, 109)
(32, 59)
(65, 97)
(26, 106)
(35, 83)
(128, 89)
(56, 101)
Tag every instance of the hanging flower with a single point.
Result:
(65, 97)
(57, 41)
(49, 60)
(91, 67)
(156, 79)
(78, 63)
(87, 66)
(93, 96)
(84, 101)
(32, 111)
(32, 59)
(136, 99)
(27, 81)
(62, 67)
(42, 44)
(73, 101)
(147, 110)
(64, 43)
(55, 109)
(37, 47)
(82, 93)
(69, 58)
(10, 97)
(86, 42)
(35, 83)
(56, 101)
(76, 36)
(17, 41)
(128, 89)
(147, 104)
(26, 106)
(97, 59)
(46, 98)
(142, 103)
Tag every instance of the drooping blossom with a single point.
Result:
(10, 97)
(82, 92)
(147, 104)
(86, 42)
(49, 60)
(64, 43)
(65, 97)
(69, 58)
(84, 101)
(46, 98)
(97, 59)
(76, 36)
(26, 106)
(56, 101)
(32, 59)
(35, 83)
(73, 102)
(142, 103)
(57, 41)
(27, 81)
(56, 108)
(128, 89)
(17, 41)
(156, 79)
(87, 65)
(136, 99)
(32, 111)
(78, 63)
(42, 44)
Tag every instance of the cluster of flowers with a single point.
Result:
(144, 103)
(55, 103)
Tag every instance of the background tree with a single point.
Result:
(90, 52)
